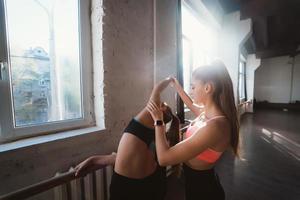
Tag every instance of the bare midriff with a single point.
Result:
(134, 158)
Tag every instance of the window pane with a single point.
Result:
(198, 44)
(241, 86)
(242, 92)
(187, 64)
(44, 60)
(241, 67)
(201, 35)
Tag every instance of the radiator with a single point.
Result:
(94, 186)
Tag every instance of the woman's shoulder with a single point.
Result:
(220, 121)
(221, 126)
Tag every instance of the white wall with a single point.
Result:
(296, 80)
(273, 80)
(233, 33)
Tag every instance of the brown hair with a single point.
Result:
(223, 96)
(173, 133)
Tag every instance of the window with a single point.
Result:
(242, 80)
(198, 43)
(187, 61)
(43, 84)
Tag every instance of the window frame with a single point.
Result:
(9, 132)
(242, 61)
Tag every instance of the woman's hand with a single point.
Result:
(158, 88)
(154, 110)
(83, 167)
(163, 84)
(174, 82)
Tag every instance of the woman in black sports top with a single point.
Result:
(137, 174)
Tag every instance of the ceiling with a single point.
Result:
(275, 25)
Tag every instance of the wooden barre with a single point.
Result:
(45, 185)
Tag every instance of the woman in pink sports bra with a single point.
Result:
(215, 129)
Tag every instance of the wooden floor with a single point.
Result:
(270, 164)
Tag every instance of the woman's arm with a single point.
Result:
(204, 138)
(93, 161)
(144, 116)
(186, 99)
(158, 88)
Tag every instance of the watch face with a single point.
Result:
(159, 122)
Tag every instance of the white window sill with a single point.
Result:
(47, 138)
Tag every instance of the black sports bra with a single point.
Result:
(144, 133)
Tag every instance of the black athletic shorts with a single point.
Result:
(152, 187)
(202, 184)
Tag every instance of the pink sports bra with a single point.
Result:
(209, 155)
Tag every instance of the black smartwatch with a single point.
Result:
(158, 123)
